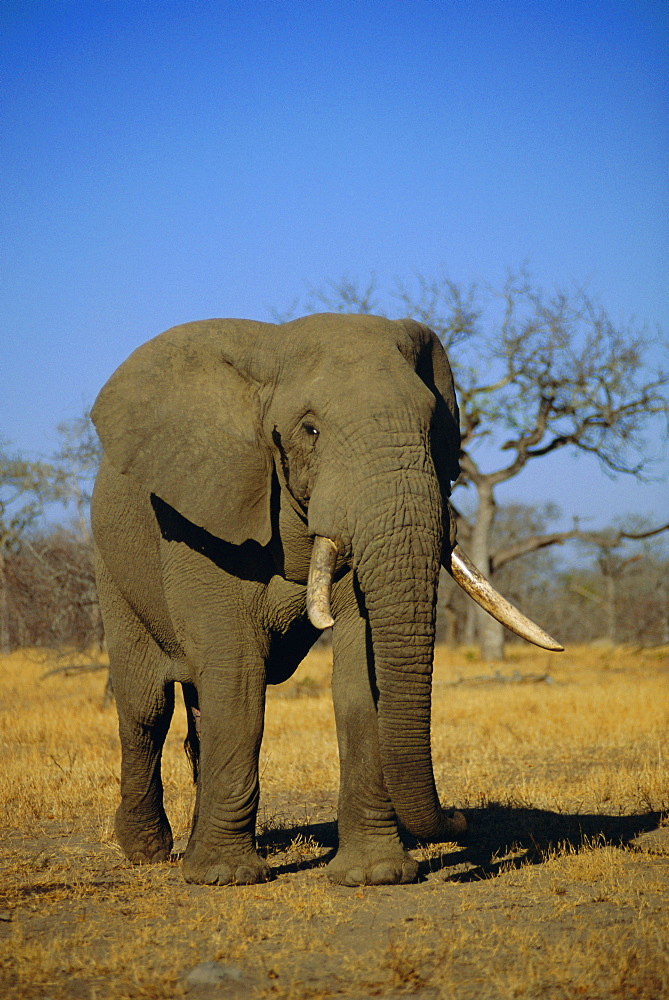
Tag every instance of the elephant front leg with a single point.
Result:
(370, 849)
(222, 848)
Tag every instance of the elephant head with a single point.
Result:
(351, 424)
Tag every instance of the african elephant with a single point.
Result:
(261, 482)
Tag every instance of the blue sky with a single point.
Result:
(164, 162)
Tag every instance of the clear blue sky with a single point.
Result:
(164, 162)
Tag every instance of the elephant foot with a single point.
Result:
(217, 868)
(360, 867)
(147, 844)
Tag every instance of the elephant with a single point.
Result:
(261, 482)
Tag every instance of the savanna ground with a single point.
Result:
(560, 762)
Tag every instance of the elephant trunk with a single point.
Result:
(396, 553)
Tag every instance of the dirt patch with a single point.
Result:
(547, 913)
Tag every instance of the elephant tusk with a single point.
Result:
(319, 583)
(465, 573)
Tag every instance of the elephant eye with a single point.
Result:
(310, 429)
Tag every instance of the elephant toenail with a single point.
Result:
(218, 876)
(384, 875)
(138, 858)
(245, 875)
(409, 873)
(354, 876)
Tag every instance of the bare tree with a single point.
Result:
(78, 461)
(535, 373)
(47, 591)
(25, 488)
(52, 582)
(614, 561)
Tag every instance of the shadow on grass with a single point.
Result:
(500, 838)
(287, 839)
(531, 835)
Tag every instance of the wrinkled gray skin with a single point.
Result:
(228, 445)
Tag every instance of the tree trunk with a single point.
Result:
(451, 630)
(4, 607)
(610, 581)
(470, 623)
(489, 633)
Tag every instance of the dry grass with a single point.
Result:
(559, 762)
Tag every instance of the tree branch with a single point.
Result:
(604, 539)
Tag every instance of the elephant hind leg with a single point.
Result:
(145, 702)
(141, 824)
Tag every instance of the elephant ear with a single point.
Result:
(180, 418)
(422, 348)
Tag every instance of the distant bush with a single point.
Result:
(50, 593)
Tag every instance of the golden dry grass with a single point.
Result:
(559, 762)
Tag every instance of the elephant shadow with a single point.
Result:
(283, 841)
(500, 838)
(504, 837)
